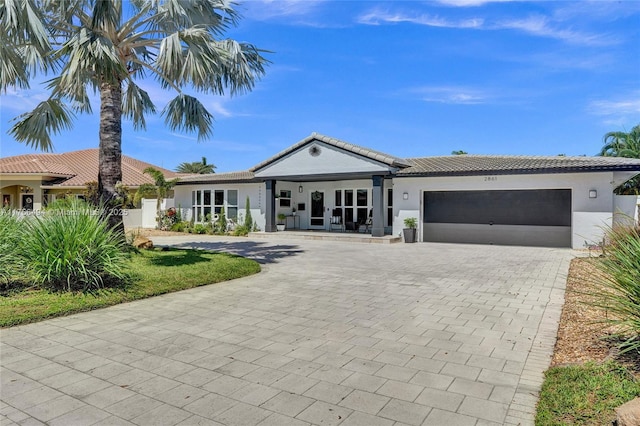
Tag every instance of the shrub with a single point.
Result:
(199, 228)
(248, 220)
(73, 250)
(10, 260)
(241, 231)
(180, 226)
(620, 293)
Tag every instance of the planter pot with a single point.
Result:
(409, 235)
(280, 227)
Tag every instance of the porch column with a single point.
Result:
(270, 206)
(377, 199)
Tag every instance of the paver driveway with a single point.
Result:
(329, 333)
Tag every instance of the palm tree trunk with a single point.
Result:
(110, 151)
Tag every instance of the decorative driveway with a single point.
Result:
(329, 333)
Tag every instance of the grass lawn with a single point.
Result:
(584, 394)
(154, 272)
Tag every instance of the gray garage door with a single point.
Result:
(540, 217)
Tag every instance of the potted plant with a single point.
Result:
(280, 226)
(409, 232)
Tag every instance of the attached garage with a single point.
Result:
(532, 217)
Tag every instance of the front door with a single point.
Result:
(316, 218)
(27, 202)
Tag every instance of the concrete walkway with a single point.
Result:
(329, 333)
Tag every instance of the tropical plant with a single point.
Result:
(620, 285)
(73, 249)
(159, 189)
(12, 234)
(411, 222)
(622, 144)
(197, 167)
(107, 47)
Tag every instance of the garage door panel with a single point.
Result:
(521, 235)
(516, 217)
(549, 207)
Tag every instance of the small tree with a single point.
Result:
(248, 220)
(221, 224)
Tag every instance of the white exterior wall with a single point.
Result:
(625, 208)
(330, 160)
(255, 191)
(590, 216)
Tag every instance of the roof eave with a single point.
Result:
(549, 170)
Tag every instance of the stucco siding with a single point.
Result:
(329, 160)
(589, 215)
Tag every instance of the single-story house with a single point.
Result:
(521, 200)
(30, 181)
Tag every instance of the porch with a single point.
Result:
(326, 236)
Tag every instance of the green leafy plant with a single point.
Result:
(248, 220)
(199, 229)
(221, 224)
(619, 293)
(411, 222)
(12, 233)
(281, 218)
(73, 249)
(241, 231)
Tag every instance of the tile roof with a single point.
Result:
(79, 167)
(502, 164)
(365, 152)
(229, 177)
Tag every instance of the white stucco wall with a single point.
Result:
(255, 191)
(330, 160)
(589, 216)
(625, 209)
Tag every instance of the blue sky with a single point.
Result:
(407, 78)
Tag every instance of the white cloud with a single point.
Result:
(452, 95)
(536, 25)
(469, 3)
(541, 26)
(378, 16)
(619, 106)
(264, 10)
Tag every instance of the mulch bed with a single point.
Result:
(580, 337)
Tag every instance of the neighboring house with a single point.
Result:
(30, 181)
(521, 200)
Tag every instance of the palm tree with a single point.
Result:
(197, 167)
(159, 188)
(621, 144)
(105, 47)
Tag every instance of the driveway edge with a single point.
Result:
(522, 410)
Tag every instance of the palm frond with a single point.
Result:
(135, 103)
(106, 16)
(185, 112)
(34, 128)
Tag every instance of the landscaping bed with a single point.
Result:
(588, 377)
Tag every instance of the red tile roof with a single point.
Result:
(78, 167)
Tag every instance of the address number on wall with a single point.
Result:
(490, 178)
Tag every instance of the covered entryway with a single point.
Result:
(534, 217)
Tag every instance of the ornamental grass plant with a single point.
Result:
(619, 293)
(72, 248)
(10, 260)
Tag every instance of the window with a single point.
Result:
(206, 203)
(285, 198)
(232, 204)
(356, 209)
